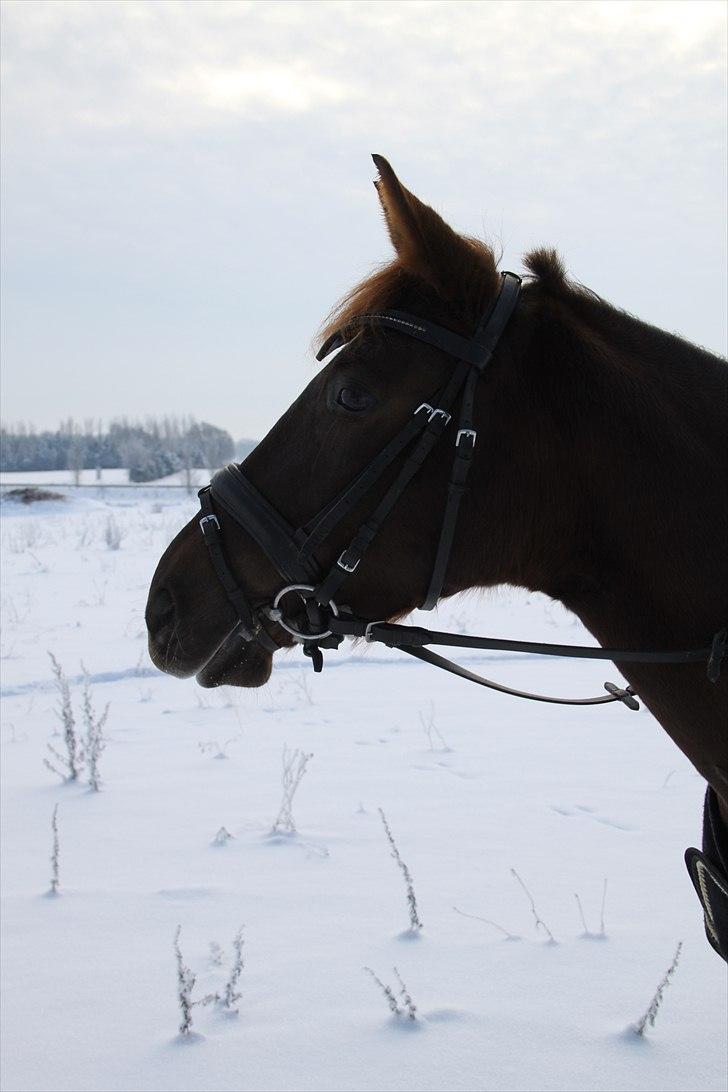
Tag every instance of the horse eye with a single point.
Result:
(352, 399)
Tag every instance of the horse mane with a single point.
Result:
(377, 292)
(546, 270)
(386, 287)
(546, 266)
(383, 289)
(581, 310)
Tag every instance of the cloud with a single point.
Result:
(179, 176)
(153, 65)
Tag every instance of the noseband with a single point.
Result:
(293, 550)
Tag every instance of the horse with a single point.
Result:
(598, 479)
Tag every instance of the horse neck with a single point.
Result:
(638, 549)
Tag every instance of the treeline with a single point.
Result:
(149, 449)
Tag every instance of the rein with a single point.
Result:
(292, 550)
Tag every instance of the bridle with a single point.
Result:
(293, 550)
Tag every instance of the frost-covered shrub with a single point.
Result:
(588, 934)
(94, 743)
(650, 1014)
(230, 994)
(113, 534)
(79, 750)
(400, 1004)
(294, 767)
(539, 922)
(55, 853)
(415, 923)
(186, 980)
(66, 766)
(222, 837)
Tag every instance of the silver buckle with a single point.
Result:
(466, 432)
(441, 413)
(344, 566)
(424, 406)
(368, 628)
(206, 519)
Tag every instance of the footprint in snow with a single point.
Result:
(581, 811)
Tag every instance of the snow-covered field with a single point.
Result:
(473, 784)
(113, 478)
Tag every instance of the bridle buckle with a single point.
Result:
(466, 433)
(433, 412)
(210, 518)
(347, 566)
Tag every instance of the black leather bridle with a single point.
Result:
(293, 551)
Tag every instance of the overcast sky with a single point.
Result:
(187, 185)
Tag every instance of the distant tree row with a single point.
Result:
(149, 449)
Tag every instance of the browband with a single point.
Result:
(476, 350)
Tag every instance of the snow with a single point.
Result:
(565, 796)
(113, 477)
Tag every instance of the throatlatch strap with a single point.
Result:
(495, 321)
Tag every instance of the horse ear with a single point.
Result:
(426, 246)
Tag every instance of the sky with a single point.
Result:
(187, 185)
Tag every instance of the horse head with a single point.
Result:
(353, 407)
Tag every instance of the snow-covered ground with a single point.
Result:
(114, 478)
(473, 784)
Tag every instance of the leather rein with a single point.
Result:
(292, 550)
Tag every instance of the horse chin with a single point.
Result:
(237, 663)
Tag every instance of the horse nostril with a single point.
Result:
(160, 614)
